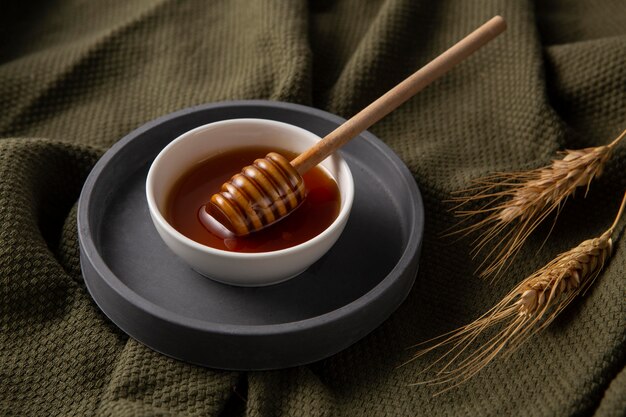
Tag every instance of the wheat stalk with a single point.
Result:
(514, 204)
(530, 307)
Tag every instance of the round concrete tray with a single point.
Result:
(154, 297)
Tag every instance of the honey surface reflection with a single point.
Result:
(195, 187)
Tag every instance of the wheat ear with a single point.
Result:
(528, 308)
(514, 204)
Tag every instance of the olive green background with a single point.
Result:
(77, 75)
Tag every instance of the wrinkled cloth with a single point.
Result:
(77, 75)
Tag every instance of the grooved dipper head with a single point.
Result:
(258, 196)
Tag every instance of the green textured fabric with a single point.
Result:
(77, 75)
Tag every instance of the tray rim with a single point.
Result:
(89, 250)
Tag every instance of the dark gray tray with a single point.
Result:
(155, 298)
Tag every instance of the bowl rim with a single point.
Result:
(347, 196)
(90, 251)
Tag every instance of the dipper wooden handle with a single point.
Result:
(272, 187)
(399, 94)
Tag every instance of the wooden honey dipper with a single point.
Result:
(272, 187)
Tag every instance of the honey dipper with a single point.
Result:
(272, 187)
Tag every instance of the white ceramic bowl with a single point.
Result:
(243, 269)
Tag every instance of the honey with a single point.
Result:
(195, 187)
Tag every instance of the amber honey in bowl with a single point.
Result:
(195, 187)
